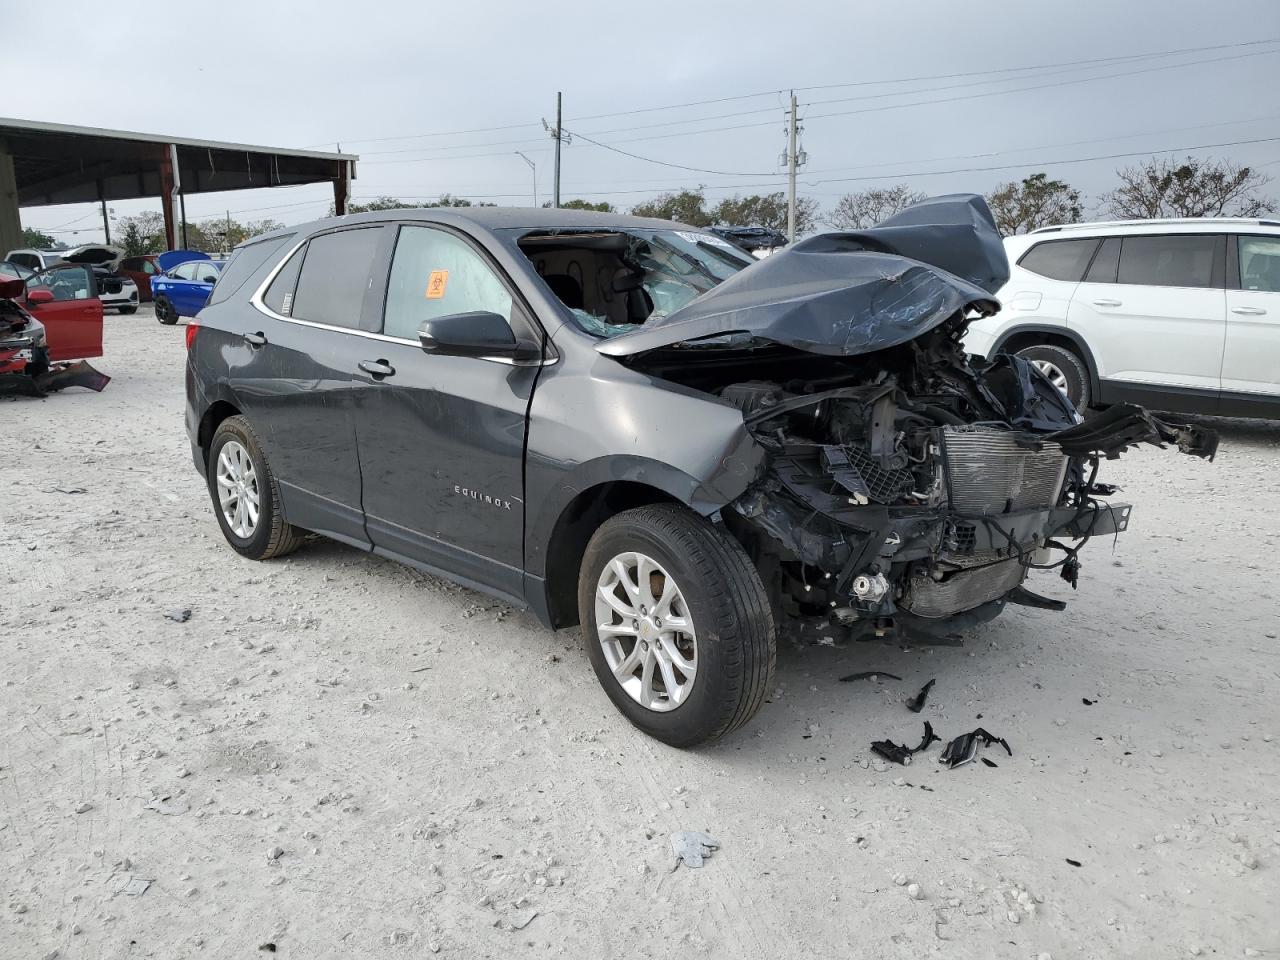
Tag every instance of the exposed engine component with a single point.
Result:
(923, 484)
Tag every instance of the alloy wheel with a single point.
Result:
(646, 632)
(237, 489)
(1055, 375)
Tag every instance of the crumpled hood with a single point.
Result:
(842, 294)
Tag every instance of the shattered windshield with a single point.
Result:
(614, 281)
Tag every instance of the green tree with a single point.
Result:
(1191, 188)
(1035, 202)
(378, 203)
(601, 207)
(687, 206)
(765, 210)
(216, 234)
(32, 237)
(139, 234)
(866, 208)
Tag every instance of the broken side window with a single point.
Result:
(614, 281)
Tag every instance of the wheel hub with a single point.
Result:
(645, 632)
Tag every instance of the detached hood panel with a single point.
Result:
(843, 294)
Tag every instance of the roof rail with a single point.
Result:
(1159, 221)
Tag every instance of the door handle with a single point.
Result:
(1249, 311)
(255, 339)
(1106, 303)
(378, 369)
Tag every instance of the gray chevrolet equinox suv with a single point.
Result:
(634, 426)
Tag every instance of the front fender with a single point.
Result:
(586, 430)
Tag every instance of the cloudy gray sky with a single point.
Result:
(398, 82)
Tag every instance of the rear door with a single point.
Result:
(295, 379)
(1152, 309)
(73, 319)
(1251, 360)
(442, 438)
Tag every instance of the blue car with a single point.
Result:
(183, 286)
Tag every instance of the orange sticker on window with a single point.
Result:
(435, 286)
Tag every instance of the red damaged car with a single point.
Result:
(49, 325)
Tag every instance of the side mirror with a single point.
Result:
(476, 334)
(39, 295)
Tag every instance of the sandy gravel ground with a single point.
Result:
(341, 757)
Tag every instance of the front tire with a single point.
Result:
(165, 312)
(246, 497)
(1066, 370)
(677, 624)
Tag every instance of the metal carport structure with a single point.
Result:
(42, 164)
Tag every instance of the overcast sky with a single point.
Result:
(361, 74)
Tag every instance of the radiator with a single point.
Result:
(988, 473)
(985, 577)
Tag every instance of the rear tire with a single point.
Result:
(717, 598)
(165, 312)
(243, 474)
(1062, 366)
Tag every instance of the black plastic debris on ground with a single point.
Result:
(989, 763)
(867, 675)
(1074, 863)
(897, 753)
(965, 747)
(916, 703)
(1087, 702)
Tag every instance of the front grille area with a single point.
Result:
(985, 577)
(988, 473)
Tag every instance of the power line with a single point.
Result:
(897, 93)
(664, 163)
(1046, 163)
(937, 100)
(826, 86)
(1050, 146)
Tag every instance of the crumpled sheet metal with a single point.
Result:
(843, 294)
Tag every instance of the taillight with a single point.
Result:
(192, 329)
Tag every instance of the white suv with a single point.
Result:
(1177, 315)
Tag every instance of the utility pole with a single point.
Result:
(226, 240)
(791, 172)
(557, 134)
(182, 203)
(534, 167)
(106, 224)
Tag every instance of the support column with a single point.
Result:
(342, 188)
(166, 198)
(10, 219)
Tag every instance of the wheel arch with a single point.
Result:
(573, 529)
(218, 411)
(1035, 334)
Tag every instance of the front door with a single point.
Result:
(73, 318)
(1157, 324)
(1251, 360)
(442, 438)
(294, 377)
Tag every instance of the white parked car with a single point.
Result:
(1173, 314)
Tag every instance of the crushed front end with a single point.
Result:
(907, 486)
(918, 497)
